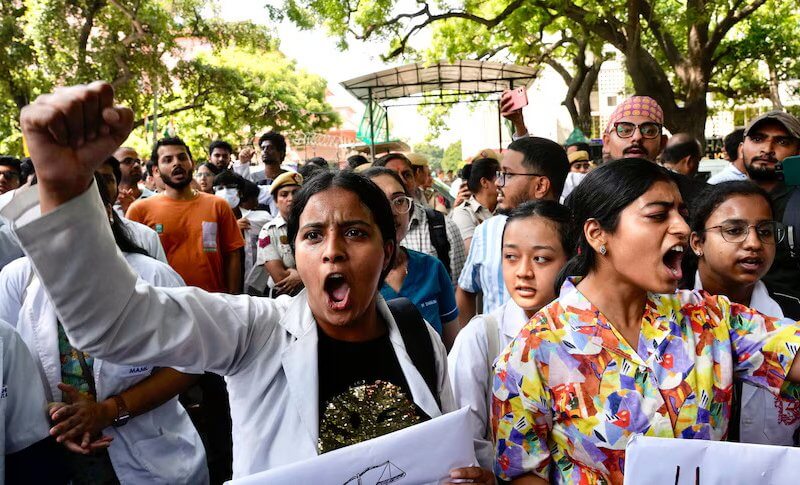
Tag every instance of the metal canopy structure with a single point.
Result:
(455, 81)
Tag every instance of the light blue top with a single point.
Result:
(483, 270)
(428, 286)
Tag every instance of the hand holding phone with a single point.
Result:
(513, 100)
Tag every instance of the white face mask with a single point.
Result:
(231, 196)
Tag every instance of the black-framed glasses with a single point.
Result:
(768, 232)
(502, 178)
(130, 161)
(648, 130)
(402, 203)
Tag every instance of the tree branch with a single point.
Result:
(664, 38)
(731, 18)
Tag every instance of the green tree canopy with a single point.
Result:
(451, 160)
(673, 50)
(210, 78)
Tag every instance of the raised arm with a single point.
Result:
(110, 314)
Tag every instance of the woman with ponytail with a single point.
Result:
(480, 176)
(620, 351)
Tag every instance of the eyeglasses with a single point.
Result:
(402, 204)
(130, 161)
(201, 175)
(626, 130)
(768, 232)
(502, 178)
(10, 174)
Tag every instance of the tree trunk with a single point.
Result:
(774, 92)
(649, 79)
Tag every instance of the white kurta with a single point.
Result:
(470, 367)
(266, 348)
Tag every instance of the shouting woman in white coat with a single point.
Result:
(535, 245)
(302, 372)
(123, 423)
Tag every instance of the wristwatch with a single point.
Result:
(123, 415)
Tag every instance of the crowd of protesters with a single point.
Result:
(188, 320)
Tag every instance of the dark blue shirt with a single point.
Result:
(429, 287)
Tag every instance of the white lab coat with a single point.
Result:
(470, 367)
(160, 446)
(146, 238)
(760, 421)
(23, 409)
(267, 348)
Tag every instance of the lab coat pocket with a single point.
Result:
(167, 457)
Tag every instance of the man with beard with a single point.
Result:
(198, 231)
(636, 130)
(130, 166)
(532, 168)
(769, 139)
(204, 245)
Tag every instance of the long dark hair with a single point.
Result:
(482, 168)
(121, 235)
(370, 195)
(707, 201)
(559, 215)
(603, 195)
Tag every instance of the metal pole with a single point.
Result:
(387, 123)
(499, 127)
(371, 128)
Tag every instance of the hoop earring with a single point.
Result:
(603, 250)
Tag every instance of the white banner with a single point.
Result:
(664, 461)
(420, 454)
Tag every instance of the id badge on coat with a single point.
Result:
(209, 237)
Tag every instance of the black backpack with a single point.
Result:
(438, 230)
(417, 341)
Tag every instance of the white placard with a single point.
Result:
(664, 461)
(420, 454)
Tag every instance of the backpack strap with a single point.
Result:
(791, 217)
(438, 231)
(492, 351)
(417, 340)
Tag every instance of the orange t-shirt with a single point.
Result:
(195, 235)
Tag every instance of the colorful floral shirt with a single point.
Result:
(569, 391)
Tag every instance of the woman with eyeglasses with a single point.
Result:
(733, 240)
(621, 352)
(480, 176)
(419, 277)
(204, 176)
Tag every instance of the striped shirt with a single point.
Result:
(483, 270)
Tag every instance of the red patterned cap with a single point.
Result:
(637, 106)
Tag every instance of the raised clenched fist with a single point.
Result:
(69, 134)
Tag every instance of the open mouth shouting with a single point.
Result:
(337, 290)
(672, 260)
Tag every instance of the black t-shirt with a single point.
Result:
(363, 392)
